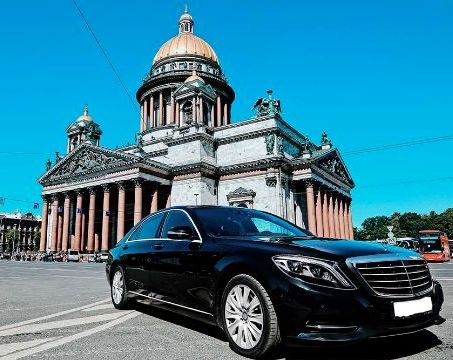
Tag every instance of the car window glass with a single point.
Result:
(226, 222)
(176, 218)
(130, 234)
(266, 227)
(149, 228)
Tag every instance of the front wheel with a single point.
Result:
(118, 289)
(249, 318)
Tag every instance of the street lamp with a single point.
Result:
(196, 199)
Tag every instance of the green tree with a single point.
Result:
(405, 224)
(11, 235)
(374, 228)
(411, 223)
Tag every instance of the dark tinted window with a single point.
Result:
(226, 222)
(176, 218)
(148, 228)
(429, 242)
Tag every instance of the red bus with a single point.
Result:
(434, 245)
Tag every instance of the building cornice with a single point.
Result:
(189, 138)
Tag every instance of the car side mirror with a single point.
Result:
(181, 233)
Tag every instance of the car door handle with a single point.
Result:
(125, 247)
(158, 246)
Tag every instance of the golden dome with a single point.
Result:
(185, 44)
(84, 116)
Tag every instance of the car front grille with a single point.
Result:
(397, 277)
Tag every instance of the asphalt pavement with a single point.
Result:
(61, 310)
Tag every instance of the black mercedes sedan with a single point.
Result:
(265, 281)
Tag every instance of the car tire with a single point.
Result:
(118, 290)
(249, 318)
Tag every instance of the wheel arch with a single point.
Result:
(226, 274)
(113, 266)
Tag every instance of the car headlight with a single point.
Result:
(315, 271)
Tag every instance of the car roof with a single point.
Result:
(199, 207)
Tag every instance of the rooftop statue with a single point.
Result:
(324, 139)
(139, 140)
(267, 106)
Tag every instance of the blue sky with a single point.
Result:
(369, 73)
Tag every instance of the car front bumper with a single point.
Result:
(314, 315)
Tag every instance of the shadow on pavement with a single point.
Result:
(385, 348)
(181, 319)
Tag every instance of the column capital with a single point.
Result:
(79, 192)
(54, 197)
(67, 195)
(138, 182)
(106, 188)
(121, 185)
(92, 190)
(309, 183)
(45, 198)
(271, 181)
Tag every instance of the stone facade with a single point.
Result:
(26, 228)
(189, 153)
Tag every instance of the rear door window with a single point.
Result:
(149, 228)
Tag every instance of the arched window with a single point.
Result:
(164, 112)
(187, 112)
(206, 114)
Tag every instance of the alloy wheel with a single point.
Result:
(117, 287)
(244, 316)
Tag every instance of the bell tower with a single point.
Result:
(83, 129)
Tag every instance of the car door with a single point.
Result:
(181, 271)
(138, 252)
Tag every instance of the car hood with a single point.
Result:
(348, 248)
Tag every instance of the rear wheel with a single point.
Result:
(249, 318)
(118, 289)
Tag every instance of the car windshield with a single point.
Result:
(239, 222)
(429, 242)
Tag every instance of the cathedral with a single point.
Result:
(189, 152)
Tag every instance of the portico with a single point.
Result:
(327, 211)
(98, 205)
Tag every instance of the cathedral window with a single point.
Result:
(162, 68)
(190, 66)
(164, 112)
(172, 66)
(199, 67)
(187, 111)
